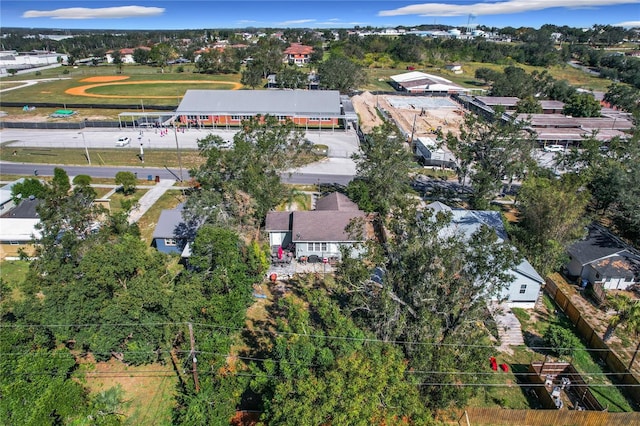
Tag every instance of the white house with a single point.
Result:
(524, 290)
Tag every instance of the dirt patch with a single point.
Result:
(104, 78)
(419, 122)
(82, 90)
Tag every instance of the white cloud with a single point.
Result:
(628, 24)
(496, 8)
(97, 13)
(297, 21)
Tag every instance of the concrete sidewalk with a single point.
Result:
(150, 198)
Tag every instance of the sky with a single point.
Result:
(211, 14)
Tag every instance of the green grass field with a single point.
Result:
(102, 157)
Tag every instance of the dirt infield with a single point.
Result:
(82, 90)
(104, 79)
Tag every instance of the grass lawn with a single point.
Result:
(13, 272)
(148, 221)
(101, 157)
(148, 390)
(378, 78)
(535, 324)
(54, 91)
(119, 197)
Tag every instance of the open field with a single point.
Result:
(139, 82)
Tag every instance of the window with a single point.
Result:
(628, 279)
(314, 119)
(14, 243)
(310, 246)
(523, 288)
(169, 241)
(282, 117)
(324, 246)
(204, 117)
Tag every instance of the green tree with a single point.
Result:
(314, 380)
(141, 56)
(490, 150)
(383, 167)
(433, 295)
(128, 181)
(551, 217)
(240, 185)
(82, 180)
(26, 188)
(340, 73)
(161, 53)
(251, 76)
(624, 97)
(626, 310)
(582, 105)
(561, 340)
(117, 60)
(291, 78)
(528, 105)
(60, 184)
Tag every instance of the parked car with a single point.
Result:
(314, 259)
(123, 141)
(554, 148)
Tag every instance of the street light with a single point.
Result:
(86, 150)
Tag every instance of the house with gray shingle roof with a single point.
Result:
(524, 290)
(173, 233)
(602, 258)
(321, 232)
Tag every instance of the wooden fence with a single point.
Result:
(501, 416)
(593, 340)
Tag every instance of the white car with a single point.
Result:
(123, 141)
(554, 148)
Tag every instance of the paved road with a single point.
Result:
(338, 168)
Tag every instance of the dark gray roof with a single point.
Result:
(25, 210)
(316, 103)
(278, 221)
(498, 100)
(598, 245)
(326, 226)
(336, 201)
(620, 265)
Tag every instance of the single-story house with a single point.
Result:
(430, 154)
(18, 229)
(173, 233)
(455, 68)
(320, 232)
(419, 82)
(602, 258)
(6, 198)
(524, 290)
(228, 108)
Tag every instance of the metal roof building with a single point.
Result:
(297, 103)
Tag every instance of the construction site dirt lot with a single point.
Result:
(417, 115)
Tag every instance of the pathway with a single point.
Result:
(150, 198)
(508, 325)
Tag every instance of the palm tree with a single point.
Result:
(626, 311)
(633, 325)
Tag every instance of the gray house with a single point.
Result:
(320, 232)
(173, 233)
(524, 290)
(602, 258)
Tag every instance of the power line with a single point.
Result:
(318, 336)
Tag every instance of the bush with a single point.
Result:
(128, 182)
(561, 340)
(83, 180)
(38, 73)
(180, 69)
(65, 71)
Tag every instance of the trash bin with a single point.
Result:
(157, 179)
(149, 178)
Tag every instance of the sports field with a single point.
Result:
(104, 85)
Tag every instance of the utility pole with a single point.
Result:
(192, 354)
(175, 133)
